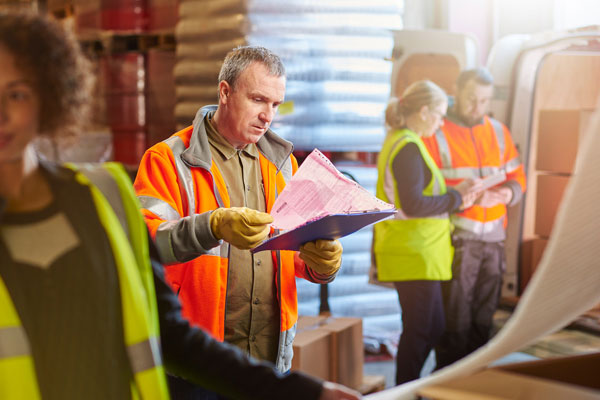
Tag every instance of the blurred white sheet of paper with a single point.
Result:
(565, 284)
(318, 189)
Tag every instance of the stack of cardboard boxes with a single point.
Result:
(558, 138)
(330, 348)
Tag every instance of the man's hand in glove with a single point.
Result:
(242, 227)
(322, 256)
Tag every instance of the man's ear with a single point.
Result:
(224, 91)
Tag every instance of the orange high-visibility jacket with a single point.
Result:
(178, 186)
(474, 152)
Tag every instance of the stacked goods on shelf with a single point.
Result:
(139, 97)
(334, 52)
(125, 15)
(133, 42)
(18, 5)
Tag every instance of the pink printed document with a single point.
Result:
(319, 202)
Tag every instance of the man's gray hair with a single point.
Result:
(238, 59)
(481, 76)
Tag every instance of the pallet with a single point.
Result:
(108, 42)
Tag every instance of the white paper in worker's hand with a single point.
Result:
(319, 189)
(565, 283)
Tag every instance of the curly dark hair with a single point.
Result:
(61, 74)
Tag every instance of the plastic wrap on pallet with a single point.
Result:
(193, 92)
(334, 137)
(212, 28)
(335, 112)
(201, 9)
(208, 50)
(191, 72)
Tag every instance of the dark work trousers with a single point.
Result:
(470, 298)
(180, 389)
(422, 326)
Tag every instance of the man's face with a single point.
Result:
(473, 102)
(247, 110)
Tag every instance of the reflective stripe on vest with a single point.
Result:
(138, 301)
(17, 373)
(401, 241)
(449, 172)
(477, 227)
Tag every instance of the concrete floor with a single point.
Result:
(565, 342)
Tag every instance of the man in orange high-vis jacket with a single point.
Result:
(205, 194)
(470, 144)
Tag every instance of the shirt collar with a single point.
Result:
(223, 146)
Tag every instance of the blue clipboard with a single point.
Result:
(330, 227)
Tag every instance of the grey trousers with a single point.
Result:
(470, 298)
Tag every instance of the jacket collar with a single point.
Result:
(274, 148)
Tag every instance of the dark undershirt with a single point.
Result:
(412, 175)
(70, 310)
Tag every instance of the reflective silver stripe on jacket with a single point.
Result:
(159, 207)
(13, 342)
(144, 355)
(186, 183)
(469, 172)
(476, 227)
(499, 131)
(513, 164)
(444, 149)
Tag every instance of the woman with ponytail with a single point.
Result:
(414, 251)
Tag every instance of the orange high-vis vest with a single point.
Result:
(475, 152)
(170, 189)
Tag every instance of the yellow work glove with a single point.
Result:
(242, 227)
(322, 256)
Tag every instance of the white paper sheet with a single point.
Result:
(319, 189)
(565, 284)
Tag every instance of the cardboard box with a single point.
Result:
(531, 253)
(347, 350)
(309, 322)
(312, 353)
(573, 378)
(550, 189)
(559, 135)
(334, 343)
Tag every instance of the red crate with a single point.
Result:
(126, 111)
(129, 146)
(123, 73)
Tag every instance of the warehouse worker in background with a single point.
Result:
(80, 303)
(205, 194)
(470, 144)
(414, 250)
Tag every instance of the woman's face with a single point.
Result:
(434, 118)
(19, 109)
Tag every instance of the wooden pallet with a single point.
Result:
(107, 42)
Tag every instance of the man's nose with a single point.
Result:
(267, 115)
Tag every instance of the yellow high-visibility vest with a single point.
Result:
(138, 300)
